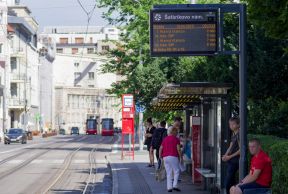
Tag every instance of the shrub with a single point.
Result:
(279, 156)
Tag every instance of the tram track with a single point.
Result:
(60, 175)
(29, 160)
(93, 170)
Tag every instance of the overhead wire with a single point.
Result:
(89, 15)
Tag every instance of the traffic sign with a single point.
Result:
(140, 108)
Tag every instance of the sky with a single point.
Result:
(63, 12)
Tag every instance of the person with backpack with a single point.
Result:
(157, 138)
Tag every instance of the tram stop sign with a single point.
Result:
(140, 108)
(183, 32)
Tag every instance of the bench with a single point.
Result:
(257, 191)
(208, 175)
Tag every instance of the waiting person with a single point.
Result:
(148, 140)
(260, 175)
(157, 138)
(171, 154)
(232, 154)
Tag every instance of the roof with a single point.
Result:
(178, 96)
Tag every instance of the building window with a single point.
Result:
(110, 30)
(91, 75)
(63, 40)
(79, 40)
(59, 50)
(77, 75)
(90, 50)
(91, 40)
(105, 48)
(76, 64)
(91, 86)
(74, 50)
(13, 62)
(1, 48)
(13, 89)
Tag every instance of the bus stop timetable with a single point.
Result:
(183, 33)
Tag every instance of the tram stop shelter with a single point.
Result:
(207, 111)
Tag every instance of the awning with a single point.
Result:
(10, 29)
(178, 96)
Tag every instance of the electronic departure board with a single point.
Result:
(183, 32)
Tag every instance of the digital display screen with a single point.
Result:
(183, 32)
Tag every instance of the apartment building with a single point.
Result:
(4, 60)
(23, 71)
(47, 51)
(79, 84)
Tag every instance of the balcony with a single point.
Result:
(17, 103)
(17, 52)
(18, 77)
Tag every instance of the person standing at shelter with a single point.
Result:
(260, 176)
(171, 154)
(148, 140)
(157, 138)
(232, 154)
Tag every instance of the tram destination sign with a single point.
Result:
(183, 32)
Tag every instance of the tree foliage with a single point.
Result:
(267, 60)
(271, 15)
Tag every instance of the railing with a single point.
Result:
(17, 102)
(18, 76)
(17, 50)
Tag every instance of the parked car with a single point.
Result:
(15, 135)
(62, 131)
(75, 130)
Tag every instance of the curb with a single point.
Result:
(115, 185)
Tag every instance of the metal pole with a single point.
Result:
(25, 87)
(4, 101)
(243, 93)
(140, 131)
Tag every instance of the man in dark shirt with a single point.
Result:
(232, 154)
(158, 136)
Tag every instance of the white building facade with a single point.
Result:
(47, 51)
(79, 84)
(23, 71)
(4, 62)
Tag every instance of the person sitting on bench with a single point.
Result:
(260, 175)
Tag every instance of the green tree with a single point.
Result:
(271, 15)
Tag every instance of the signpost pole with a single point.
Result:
(140, 131)
(243, 93)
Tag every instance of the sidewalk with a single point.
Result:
(133, 177)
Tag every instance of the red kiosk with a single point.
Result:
(128, 110)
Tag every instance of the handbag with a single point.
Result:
(182, 166)
(160, 174)
(145, 141)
